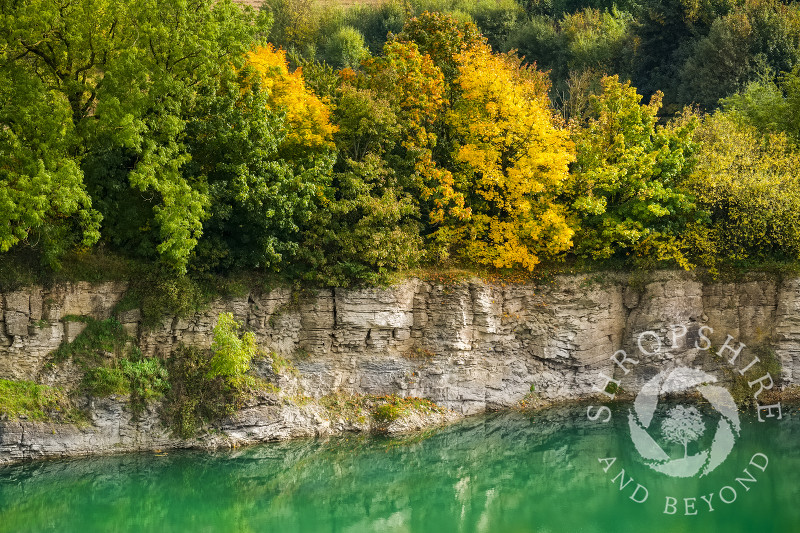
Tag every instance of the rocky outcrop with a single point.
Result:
(469, 345)
(112, 428)
(264, 423)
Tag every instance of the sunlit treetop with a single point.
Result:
(510, 157)
(308, 118)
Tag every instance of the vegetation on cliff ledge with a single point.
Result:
(26, 400)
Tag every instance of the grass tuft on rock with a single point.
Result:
(30, 401)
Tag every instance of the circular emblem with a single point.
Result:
(683, 425)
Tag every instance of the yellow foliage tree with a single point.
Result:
(510, 157)
(307, 117)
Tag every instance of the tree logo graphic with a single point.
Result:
(683, 425)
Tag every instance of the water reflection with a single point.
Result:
(508, 472)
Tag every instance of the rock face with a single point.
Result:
(469, 346)
(36, 321)
(110, 429)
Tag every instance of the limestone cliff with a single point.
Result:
(469, 346)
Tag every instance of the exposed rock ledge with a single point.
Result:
(112, 430)
(468, 346)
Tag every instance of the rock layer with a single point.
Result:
(469, 345)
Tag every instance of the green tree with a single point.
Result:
(370, 224)
(496, 19)
(130, 72)
(376, 22)
(769, 106)
(538, 40)
(720, 63)
(369, 228)
(295, 24)
(586, 44)
(346, 48)
(625, 186)
(42, 195)
(599, 40)
(666, 32)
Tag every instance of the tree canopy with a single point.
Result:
(340, 146)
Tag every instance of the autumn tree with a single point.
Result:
(414, 88)
(441, 37)
(488, 153)
(510, 158)
(413, 85)
(307, 117)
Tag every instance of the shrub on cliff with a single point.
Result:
(143, 379)
(209, 384)
(193, 399)
(232, 353)
(112, 364)
(31, 401)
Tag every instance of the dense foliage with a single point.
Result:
(626, 186)
(340, 145)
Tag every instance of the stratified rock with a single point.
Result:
(469, 345)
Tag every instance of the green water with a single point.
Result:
(509, 472)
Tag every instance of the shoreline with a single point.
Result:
(112, 431)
